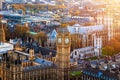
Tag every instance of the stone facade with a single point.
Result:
(2, 33)
(63, 54)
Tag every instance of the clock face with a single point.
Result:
(66, 40)
(59, 40)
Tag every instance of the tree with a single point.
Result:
(113, 47)
(108, 50)
(117, 37)
(115, 43)
(21, 31)
(41, 37)
(71, 23)
(19, 6)
(75, 41)
(7, 33)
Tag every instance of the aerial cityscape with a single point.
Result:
(59, 40)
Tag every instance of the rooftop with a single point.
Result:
(4, 47)
(84, 29)
(105, 75)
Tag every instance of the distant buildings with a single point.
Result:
(102, 13)
(88, 34)
(108, 70)
(1, 2)
(33, 1)
(96, 74)
(36, 23)
(95, 36)
(15, 1)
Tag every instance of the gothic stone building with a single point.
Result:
(17, 65)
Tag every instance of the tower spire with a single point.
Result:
(2, 33)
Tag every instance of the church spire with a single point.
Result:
(2, 33)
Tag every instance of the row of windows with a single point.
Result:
(43, 74)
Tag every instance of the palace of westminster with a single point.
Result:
(18, 65)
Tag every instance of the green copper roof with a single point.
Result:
(33, 33)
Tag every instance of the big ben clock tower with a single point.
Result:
(63, 53)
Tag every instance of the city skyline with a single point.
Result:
(59, 40)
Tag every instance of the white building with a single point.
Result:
(90, 51)
(84, 29)
(4, 47)
(83, 53)
(88, 33)
(97, 45)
